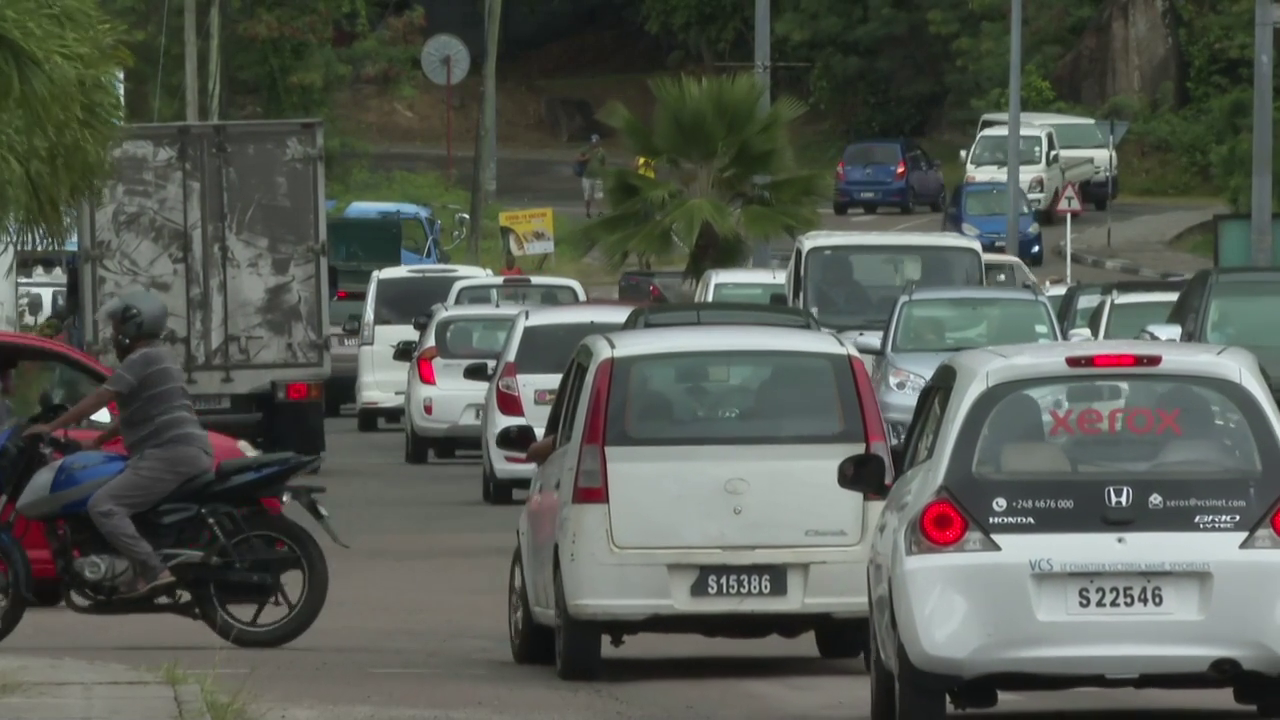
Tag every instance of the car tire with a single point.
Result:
(870, 209)
(416, 449)
(884, 688)
(909, 206)
(915, 700)
(46, 593)
(841, 640)
(445, 451)
(486, 490)
(1049, 216)
(366, 421)
(839, 209)
(577, 643)
(531, 644)
(941, 203)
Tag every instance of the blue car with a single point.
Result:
(979, 210)
(894, 173)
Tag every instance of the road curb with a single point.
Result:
(1116, 265)
(191, 704)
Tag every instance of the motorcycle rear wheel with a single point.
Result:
(12, 559)
(315, 571)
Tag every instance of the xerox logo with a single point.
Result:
(1138, 421)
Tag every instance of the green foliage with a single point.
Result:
(59, 111)
(711, 145)
(711, 29)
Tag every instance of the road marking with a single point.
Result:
(913, 222)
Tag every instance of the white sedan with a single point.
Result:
(1046, 548)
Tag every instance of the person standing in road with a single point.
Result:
(592, 160)
(511, 268)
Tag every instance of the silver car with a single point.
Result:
(929, 325)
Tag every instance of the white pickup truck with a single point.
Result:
(1079, 137)
(1043, 170)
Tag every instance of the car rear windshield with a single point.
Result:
(746, 292)
(734, 398)
(946, 325)
(472, 337)
(545, 349)
(1127, 319)
(340, 310)
(523, 294)
(872, 154)
(1244, 313)
(1079, 136)
(1124, 427)
(399, 300)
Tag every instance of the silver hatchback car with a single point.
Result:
(928, 325)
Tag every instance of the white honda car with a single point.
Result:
(1034, 547)
(443, 406)
(525, 381)
(692, 490)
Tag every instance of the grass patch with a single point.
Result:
(221, 706)
(1196, 240)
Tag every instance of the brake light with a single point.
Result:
(300, 392)
(655, 293)
(901, 172)
(944, 527)
(1109, 361)
(872, 421)
(508, 393)
(591, 484)
(342, 295)
(426, 368)
(1264, 537)
(840, 172)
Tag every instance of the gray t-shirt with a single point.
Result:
(155, 407)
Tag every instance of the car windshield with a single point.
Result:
(1126, 320)
(746, 292)
(994, 150)
(950, 324)
(472, 337)
(1055, 302)
(1079, 136)
(1162, 427)
(872, 154)
(399, 300)
(344, 306)
(1244, 313)
(853, 287)
(733, 398)
(545, 349)
(1084, 307)
(522, 294)
(992, 201)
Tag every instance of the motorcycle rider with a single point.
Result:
(165, 440)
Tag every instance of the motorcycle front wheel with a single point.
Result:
(237, 616)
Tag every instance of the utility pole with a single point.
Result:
(1013, 231)
(486, 155)
(764, 53)
(1260, 235)
(214, 106)
(191, 46)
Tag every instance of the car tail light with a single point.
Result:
(1110, 361)
(341, 295)
(944, 527)
(873, 422)
(591, 485)
(901, 172)
(1266, 536)
(508, 392)
(426, 366)
(299, 392)
(655, 292)
(840, 172)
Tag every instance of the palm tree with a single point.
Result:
(726, 176)
(59, 111)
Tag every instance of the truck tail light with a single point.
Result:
(299, 392)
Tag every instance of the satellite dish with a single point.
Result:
(445, 59)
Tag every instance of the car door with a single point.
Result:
(932, 173)
(543, 506)
(917, 173)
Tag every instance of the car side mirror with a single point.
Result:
(1080, 334)
(778, 299)
(898, 454)
(1053, 157)
(964, 156)
(101, 417)
(515, 439)
(351, 327)
(421, 322)
(478, 372)
(869, 344)
(865, 473)
(1165, 332)
(404, 350)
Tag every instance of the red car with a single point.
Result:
(69, 375)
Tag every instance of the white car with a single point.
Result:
(1007, 271)
(1034, 547)
(448, 372)
(397, 299)
(691, 491)
(1122, 316)
(517, 290)
(526, 377)
(750, 285)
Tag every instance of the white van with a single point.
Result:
(743, 285)
(398, 298)
(851, 281)
(1042, 171)
(1078, 137)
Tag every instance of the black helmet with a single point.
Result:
(135, 317)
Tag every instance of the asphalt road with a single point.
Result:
(415, 628)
